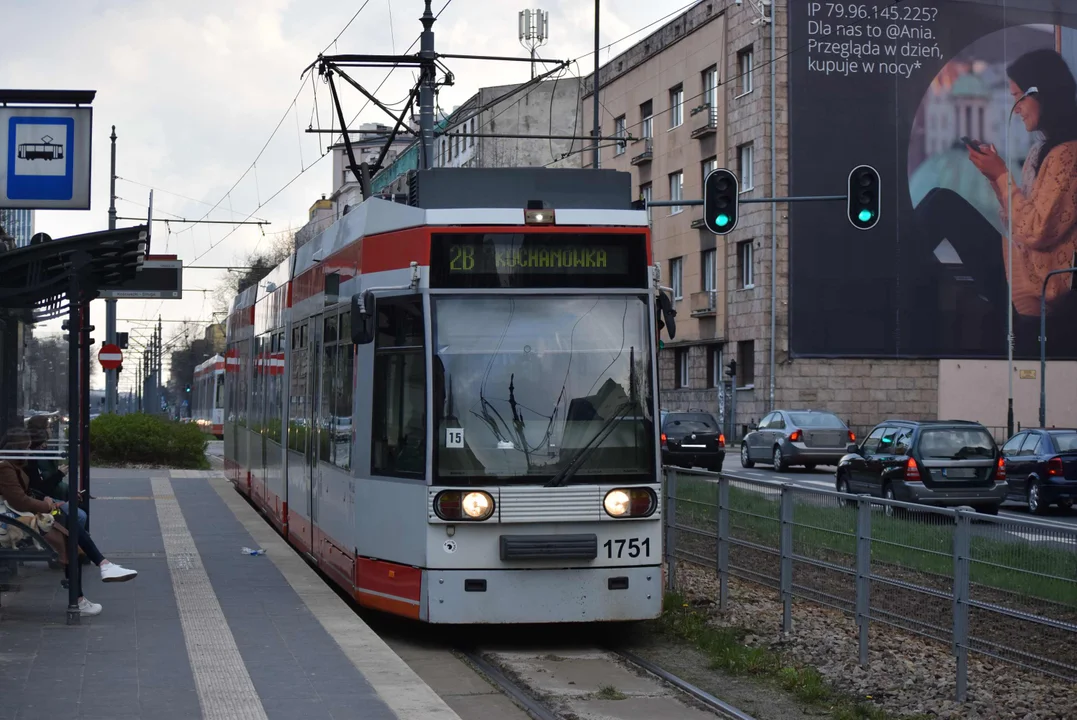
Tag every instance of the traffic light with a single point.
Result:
(864, 197)
(721, 198)
(187, 388)
(121, 340)
(731, 368)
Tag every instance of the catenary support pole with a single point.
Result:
(426, 91)
(111, 376)
(596, 132)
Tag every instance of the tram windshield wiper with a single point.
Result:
(576, 462)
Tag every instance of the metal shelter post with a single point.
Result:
(84, 404)
(79, 261)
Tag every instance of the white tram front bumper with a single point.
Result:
(542, 596)
(546, 555)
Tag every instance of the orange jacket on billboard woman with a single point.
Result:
(1044, 225)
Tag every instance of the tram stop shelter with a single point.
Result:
(58, 278)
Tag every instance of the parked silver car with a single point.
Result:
(797, 437)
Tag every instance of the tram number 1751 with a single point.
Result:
(630, 547)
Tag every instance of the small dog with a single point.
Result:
(13, 533)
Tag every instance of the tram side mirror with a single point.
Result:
(668, 313)
(363, 313)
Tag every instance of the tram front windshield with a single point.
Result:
(526, 386)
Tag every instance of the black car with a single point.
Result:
(1041, 468)
(941, 462)
(692, 439)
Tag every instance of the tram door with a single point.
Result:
(314, 384)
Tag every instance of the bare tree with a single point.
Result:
(260, 262)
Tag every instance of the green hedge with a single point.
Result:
(141, 439)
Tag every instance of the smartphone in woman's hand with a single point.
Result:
(974, 145)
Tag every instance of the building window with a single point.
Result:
(676, 277)
(619, 131)
(745, 363)
(474, 129)
(645, 196)
(745, 70)
(682, 367)
(745, 167)
(714, 366)
(676, 191)
(676, 106)
(398, 438)
(745, 271)
(710, 270)
(708, 166)
(710, 86)
(444, 152)
(646, 111)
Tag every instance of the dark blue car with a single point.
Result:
(1041, 468)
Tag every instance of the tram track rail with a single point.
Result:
(539, 710)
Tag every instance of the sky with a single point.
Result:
(196, 89)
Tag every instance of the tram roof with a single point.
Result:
(442, 197)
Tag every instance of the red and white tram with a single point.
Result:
(453, 410)
(207, 396)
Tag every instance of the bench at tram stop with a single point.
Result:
(19, 543)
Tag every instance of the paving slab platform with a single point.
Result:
(204, 631)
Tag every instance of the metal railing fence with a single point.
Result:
(999, 586)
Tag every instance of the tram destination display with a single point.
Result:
(482, 260)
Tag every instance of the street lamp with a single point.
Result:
(1043, 342)
(1009, 263)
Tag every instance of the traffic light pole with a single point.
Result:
(750, 201)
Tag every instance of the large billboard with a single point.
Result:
(968, 109)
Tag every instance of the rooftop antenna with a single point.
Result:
(534, 32)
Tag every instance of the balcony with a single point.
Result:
(710, 121)
(704, 304)
(648, 152)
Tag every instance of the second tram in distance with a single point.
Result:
(453, 410)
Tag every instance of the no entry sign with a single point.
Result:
(110, 356)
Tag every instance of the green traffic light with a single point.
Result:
(865, 215)
(723, 220)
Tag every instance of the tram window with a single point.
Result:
(343, 398)
(398, 421)
(330, 334)
(400, 322)
(298, 417)
(325, 407)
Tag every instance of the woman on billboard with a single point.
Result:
(1043, 202)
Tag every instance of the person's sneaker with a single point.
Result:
(89, 608)
(114, 573)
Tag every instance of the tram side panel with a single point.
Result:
(333, 487)
(390, 499)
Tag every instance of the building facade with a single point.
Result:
(695, 95)
(18, 223)
(462, 138)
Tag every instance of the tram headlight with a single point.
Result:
(630, 502)
(463, 505)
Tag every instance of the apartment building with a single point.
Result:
(692, 96)
(466, 136)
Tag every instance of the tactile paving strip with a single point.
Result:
(224, 686)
